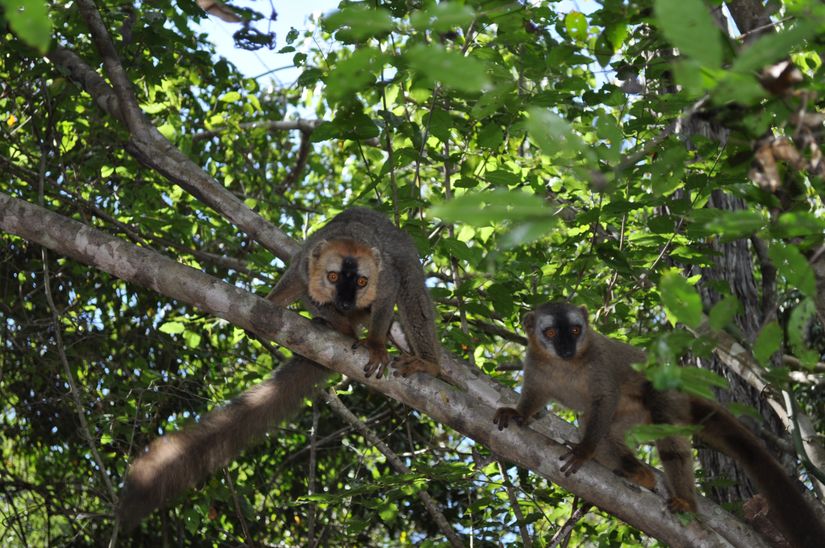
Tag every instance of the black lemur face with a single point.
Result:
(560, 328)
(349, 282)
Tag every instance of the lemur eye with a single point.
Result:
(576, 330)
(332, 277)
(362, 281)
(551, 332)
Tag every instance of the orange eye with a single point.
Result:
(576, 330)
(361, 281)
(551, 332)
(332, 277)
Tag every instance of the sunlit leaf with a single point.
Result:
(483, 208)
(798, 328)
(767, 342)
(681, 299)
(552, 133)
(443, 17)
(172, 328)
(731, 225)
(688, 25)
(453, 69)
(29, 19)
(794, 267)
(576, 25)
(359, 21)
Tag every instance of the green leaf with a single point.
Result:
(665, 377)
(576, 25)
(29, 19)
(359, 21)
(502, 177)
(490, 136)
(354, 73)
(798, 332)
(688, 25)
(774, 46)
(443, 17)
(388, 512)
(172, 328)
(453, 69)
(230, 97)
(681, 299)
(440, 124)
(723, 312)
(798, 223)
(647, 433)
(527, 232)
(193, 340)
(731, 225)
(700, 382)
(794, 267)
(458, 249)
(484, 208)
(767, 342)
(552, 133)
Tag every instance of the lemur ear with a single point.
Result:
(585, 313)
(528, 321)
(319, 248)
(376, 253)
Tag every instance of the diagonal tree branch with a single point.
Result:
(468, 411)
(153, 150)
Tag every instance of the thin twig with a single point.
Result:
(492, 329)
(313, 456)
(236, 501)
(300, 162)
(526, 540)
(562, 536)
(305, 126)
(61, 350)
(429, 503)
(654, 143)
(456, 279)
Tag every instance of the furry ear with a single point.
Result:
(528, 321)
(376, 254)
(319, 248)
(585, 313)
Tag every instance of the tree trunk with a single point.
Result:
(733, 268)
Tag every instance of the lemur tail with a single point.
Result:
(797, 520)
(178, 461)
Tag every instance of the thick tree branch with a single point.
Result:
(152, 149)
(469, 411)
(305, 126)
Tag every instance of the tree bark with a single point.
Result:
(733, 266)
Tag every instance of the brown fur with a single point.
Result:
(388, 258)
(178, 461)
(599, 382)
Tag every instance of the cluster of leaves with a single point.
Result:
(520, 131)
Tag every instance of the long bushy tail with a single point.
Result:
(178, 461)
(724, 432)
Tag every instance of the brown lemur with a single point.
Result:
(592, 374)
(352, 271)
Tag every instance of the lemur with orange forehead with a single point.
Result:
(353, 271)
(571, 363)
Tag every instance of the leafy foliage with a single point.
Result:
(530, 151)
